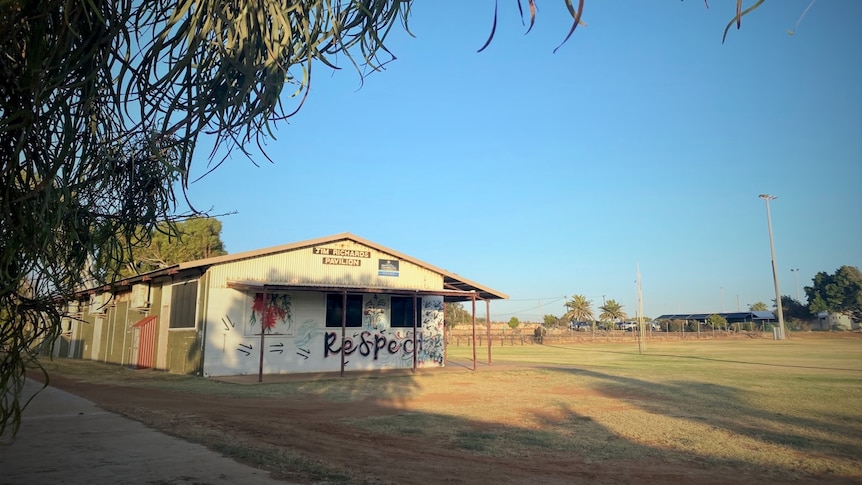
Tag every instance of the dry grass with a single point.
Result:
(790, 405)
(784, 410)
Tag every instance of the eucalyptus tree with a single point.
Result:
(758, 307)
(716, 320)
(455, 314)
(102, 104)
(169, 244)
(839, 292)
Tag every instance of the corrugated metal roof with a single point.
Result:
(730, 316)
(449, 295)
(451, 280)
(763, 315)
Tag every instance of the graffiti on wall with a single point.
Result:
(274, 315)
(393, 348)
(374, 313)
(432, 353)
(432, 313)
(306, 334)
(229, 325)
(311, 341)
(432, 322)
(379, 346)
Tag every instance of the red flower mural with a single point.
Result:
(275, 311)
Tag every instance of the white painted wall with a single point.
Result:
(300, 342)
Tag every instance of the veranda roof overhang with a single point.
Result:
(449, 295)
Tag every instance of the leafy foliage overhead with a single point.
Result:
(102, 103)
(577, 17)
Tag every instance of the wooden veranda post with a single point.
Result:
(415, 325)
(343, 326)
(473, 300)
(262, 332)
(488, 325)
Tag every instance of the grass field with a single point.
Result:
(755, 409)
(759, 401)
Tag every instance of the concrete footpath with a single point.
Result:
(66, 439)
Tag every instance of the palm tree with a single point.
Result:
(579, 309)
(612, 312)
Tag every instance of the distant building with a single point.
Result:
(834, 321)
(756, 317)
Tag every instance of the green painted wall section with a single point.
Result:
(84, 335)
(184, 354)
(115, 346)
(117, 334)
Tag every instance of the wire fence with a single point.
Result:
(460, 338)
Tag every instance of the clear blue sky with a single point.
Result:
(643, 140)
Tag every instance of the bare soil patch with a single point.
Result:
(316, 429)
(333, 445)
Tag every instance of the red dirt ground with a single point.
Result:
(314, 428)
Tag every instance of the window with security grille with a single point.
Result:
(335, 310)
(403, 312)
(184, 300)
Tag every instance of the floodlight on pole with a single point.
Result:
(795, 272)
(767, 198)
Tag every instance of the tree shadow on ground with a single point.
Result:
(392, 429)
(725, 407)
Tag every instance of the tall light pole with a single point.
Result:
(767, 198)
(795, 272)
